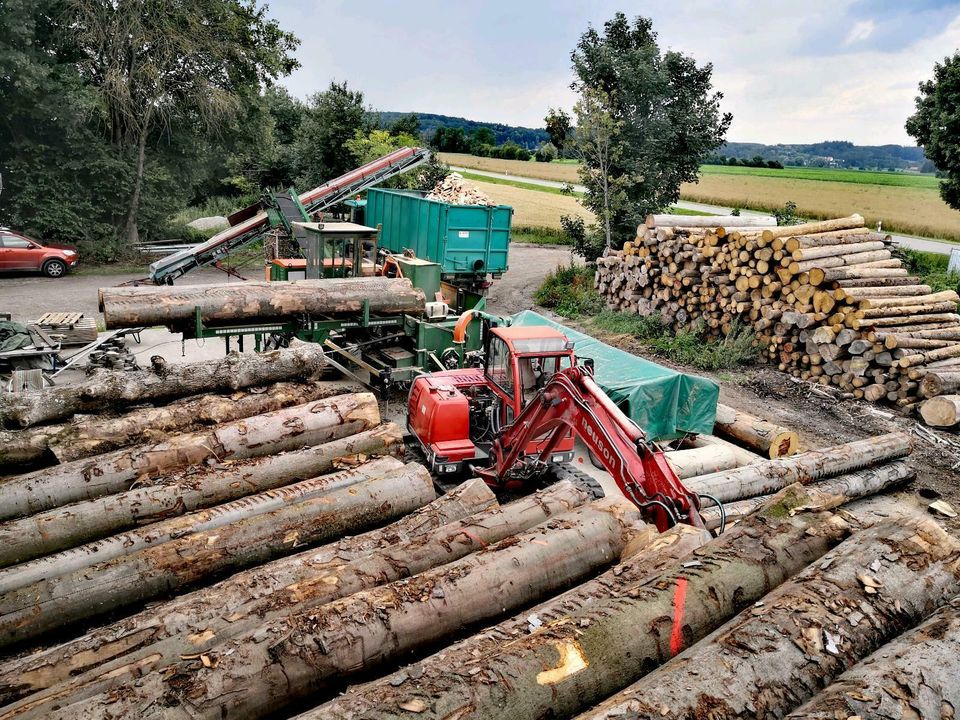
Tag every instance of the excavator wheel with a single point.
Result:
(564, 471)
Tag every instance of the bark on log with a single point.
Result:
(824, 495)
(711, 221)
(854, 221)
(765, 478)
(255, 301)
(765, 662)
(270, 433)
(85, 436)
(939, 383)
(947, 296)
(867, 292)
(249, 678)
(913, 677)
(33, 610)
(759, 435)
(701, 461)
(110, 390)
(901, 310)
(208, 625)
(604, 635)
(33, 673)
(941, 411)
(283, 478)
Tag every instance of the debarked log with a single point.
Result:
(287, 429)
(289, 659)
(204, 624)
(611, 634)
(763, 437)
(256, 301)
(56, 602)
(913, 676)
(768, 477)
(109, 390)
(88, 435)
(34, 672)
(768, 660)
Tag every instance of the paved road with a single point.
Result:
(911, 241)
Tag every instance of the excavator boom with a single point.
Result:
(572, 401)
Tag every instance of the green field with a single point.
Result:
(860, 177)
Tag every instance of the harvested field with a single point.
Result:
(913, 210)
(904, 203)
(561, 172)
(532, 208)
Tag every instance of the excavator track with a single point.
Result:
(564, 471)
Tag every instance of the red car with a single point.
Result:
(19, 252)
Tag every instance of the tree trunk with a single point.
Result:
(25, 676)
(824, 251)
(765, 662)
(744, 457)
(911, 677)
(327, 583)
(283, 478)
(825, 495)
(256, 301)
(110, 390)
(941, 411)
(711, 221)
(307, 653)
(130, 230)
(785, 231)
(701, 461)
(767, 477)
(85, 436)
(765, 438)
(257, 436)
(199, 557)
(939, 383)
(607, 633)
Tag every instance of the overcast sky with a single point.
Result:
(793, 71)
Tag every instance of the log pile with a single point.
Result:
(454, 189)
(827, 301)
(302, 555)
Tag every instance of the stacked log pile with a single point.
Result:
(827, 301)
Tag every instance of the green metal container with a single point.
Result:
(465, 240)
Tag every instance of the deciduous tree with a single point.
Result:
(666, 112)
(936, 125)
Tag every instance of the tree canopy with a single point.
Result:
(665, 113)
(936, 125)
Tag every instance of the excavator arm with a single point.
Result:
(572, 401)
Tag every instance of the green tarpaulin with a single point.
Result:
(664, 402)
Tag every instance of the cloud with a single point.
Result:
(790, 71)
(860, 32)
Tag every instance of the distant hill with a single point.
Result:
(530, 138)
(835, 153)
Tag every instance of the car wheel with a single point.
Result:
(54, 268)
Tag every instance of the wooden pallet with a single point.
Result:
(68, 328)
(59, 318)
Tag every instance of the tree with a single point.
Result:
(936, 125)
(332, 119)
(666, 115)
(161, 64)
(558, 127)
(546, 152)
(599, 154)
(406, 125)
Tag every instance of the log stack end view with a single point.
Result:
(828, 302)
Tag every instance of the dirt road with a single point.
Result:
(26, 297)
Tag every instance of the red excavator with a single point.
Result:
(514, 419)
